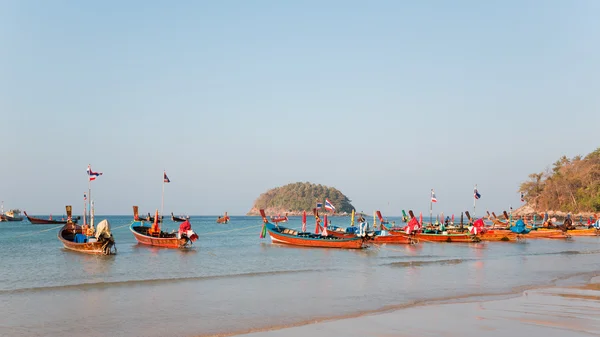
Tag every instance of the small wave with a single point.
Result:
(410, 257)
(402, 264)
(129, 283)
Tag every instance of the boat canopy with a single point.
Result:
(103, 230)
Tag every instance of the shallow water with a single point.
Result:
(233, 281)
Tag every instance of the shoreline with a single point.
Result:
(468, 316)
(314, 325)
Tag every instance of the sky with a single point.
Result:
(383, 100)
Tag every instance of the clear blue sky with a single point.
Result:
(383, 100)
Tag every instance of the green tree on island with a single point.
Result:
(571, 185)
(300, 196)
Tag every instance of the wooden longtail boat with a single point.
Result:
(278, 219)
(178, 219)
(548, 234)
(223, 219)
(40, 221)
(152, 235)
(584, 232)
(397, 239)
(283, 235)
(148, 218)
(76, 238)
(449, 237)
(500, 235)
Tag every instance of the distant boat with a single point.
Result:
(50, 221)
(278, 219)
(223, 219)
(12, 215)
(87, 240)
(283, 235)
(178, 219)
(149, 218)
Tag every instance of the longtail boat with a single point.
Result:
(396, 239)
(486, 234)
(152, 235)
(49, 221)
(178, 218)
(283, 235)
(148, 218)
(278, 219)
(84, 239)
(584, 232)
(223, 219)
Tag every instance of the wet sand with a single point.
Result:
(548, 312)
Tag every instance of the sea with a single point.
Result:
(234, 282)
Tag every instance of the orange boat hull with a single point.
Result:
(169, 242)
(326, 242)
(69, 230)
(397, 239)
(548, 234)
(499, 235)
(440, 237)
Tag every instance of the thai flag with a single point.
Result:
(433, 198)
(165, 178)
(92, 175)
(329, 206)
(319, 205)
(476, 193)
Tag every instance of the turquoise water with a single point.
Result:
(233, 281)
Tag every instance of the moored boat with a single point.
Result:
(279, 218)
(148, 218)
(11, 215)
(152, 235)
(50, 221)
(84, 239)
(178, 218)
(288, 236)
(223, 219)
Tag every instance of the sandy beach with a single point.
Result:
(548, 312)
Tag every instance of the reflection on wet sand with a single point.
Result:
(547, 312)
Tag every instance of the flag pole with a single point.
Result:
(90, 194)
(431, 207)
(474, 201)
(162, 202)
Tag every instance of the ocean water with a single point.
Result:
(232, 281)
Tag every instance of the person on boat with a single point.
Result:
(185, 229)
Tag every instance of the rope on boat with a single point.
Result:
(37, 232)
(232, 230)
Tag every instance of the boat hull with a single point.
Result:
(548, 234)
(396, 239)
(277, 236)
(584, 232)
(499, 235)
(140, 232)
(39, 221)
(67, 233)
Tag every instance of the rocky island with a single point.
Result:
(301, 196)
